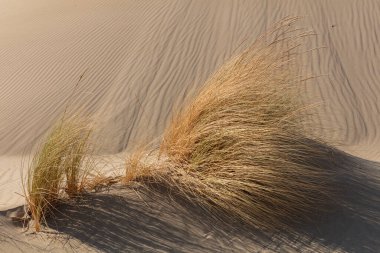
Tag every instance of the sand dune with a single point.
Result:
(139, 59)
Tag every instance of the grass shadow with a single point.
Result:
(155, 219)
(126, 220)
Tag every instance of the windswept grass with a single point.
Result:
(242, 147)
(55, 170)
(139, 164)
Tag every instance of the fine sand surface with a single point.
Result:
(136, 61)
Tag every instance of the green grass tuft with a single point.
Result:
(55, 170)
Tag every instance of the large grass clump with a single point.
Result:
(56, 169)
(242, 147)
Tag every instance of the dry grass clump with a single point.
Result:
(55, 170)
(241, 145)
(139, 164)
(99, 181)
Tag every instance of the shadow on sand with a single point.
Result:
(135, 218)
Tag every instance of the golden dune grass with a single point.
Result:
(242, 145)
(56, 167)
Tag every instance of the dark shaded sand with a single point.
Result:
(136, 218)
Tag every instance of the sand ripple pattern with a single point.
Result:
(141, 58)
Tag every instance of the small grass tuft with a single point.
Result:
(55, 170)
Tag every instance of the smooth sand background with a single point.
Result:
(139, 59)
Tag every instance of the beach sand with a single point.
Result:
(137, 61)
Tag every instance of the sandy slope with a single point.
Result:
(141, 58)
